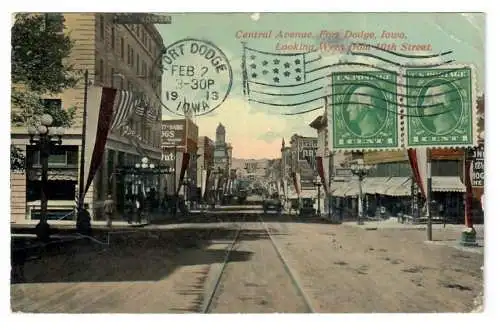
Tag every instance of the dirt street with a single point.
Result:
(341, 268)
(350, 269)
(260, 285)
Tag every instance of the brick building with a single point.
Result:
(115, 55)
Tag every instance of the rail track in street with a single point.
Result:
(211, 302)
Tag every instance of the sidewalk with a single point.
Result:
(392, 223)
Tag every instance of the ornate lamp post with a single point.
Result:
(317, 183)
(361, 171)
(46, 137)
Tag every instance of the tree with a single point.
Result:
(39, 68)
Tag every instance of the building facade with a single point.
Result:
(115, 55)
(303, 150)
(180, 136)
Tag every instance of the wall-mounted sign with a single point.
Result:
(173, 133)
(307, 148)
(343, 172)
(477, 167)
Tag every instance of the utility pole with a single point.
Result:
(429, 194)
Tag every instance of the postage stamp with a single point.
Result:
(197, 77)
(440, 107)
(364, 110)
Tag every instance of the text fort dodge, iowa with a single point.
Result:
(198, 77)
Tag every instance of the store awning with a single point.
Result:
(391, 185)
(370, 185)
(339, 188)
(352, 188)
(447, 184)
(306, 194)
(403, 189)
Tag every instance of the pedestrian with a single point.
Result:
(138, 210)
(109, 206)
(129, 210)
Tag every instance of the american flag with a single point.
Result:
(125, 102)
(152, 113)
(283, 79)
(142, 104)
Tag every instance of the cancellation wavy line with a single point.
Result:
(366, 84)
(373, 66)
(432, 105)
(362, 103)
(359, 73)
(407, 66)
(401, 54)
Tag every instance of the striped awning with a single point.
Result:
(352, 188)
(390, 184)
(370, 185)
(399, 187)
(447, 184)
(338, 187)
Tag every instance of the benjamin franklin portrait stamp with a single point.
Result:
(364, 110)
(197, 77)
(440, 107)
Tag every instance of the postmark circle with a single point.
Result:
(364, 110)
(441, 107)
(197, 77)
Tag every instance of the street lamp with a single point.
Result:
(186, 183)
(361, 171)
(317, 183)
(46, 137)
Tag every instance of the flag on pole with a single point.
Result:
(183, 168)
(141, 104)
(100, 104)
(125, 102)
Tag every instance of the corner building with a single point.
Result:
(123, 56)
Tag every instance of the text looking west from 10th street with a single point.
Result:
(334, 41)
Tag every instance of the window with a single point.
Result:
(122, 48)
(138, 69)
(61, 156)
(112, 37)
(149, 45)
(132, 57)
(101, 70)
(144, 69)
(112, 77)
(130, 86)
(101, 26)
(129, 54)
(52, 104)
(143, 37)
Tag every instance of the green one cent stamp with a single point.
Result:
(440, 107)
(364, 110)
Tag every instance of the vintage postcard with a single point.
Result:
(247, 162)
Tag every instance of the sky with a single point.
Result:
(256, 130)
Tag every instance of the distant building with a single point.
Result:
(205, 162)
(221, 161)
(303, 158)
(180, 135)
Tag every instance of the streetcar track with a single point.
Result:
(231, 248)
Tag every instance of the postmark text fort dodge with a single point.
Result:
(198, 77)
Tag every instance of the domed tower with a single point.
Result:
(220, 135)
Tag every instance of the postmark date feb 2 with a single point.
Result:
(197, 77)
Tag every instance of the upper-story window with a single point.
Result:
(101, 26)
(122, 48)
(113, 37)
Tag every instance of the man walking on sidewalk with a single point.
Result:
(108, 210)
